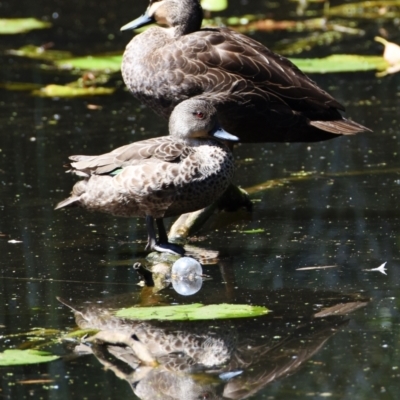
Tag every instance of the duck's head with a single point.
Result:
(184, 15)
(197, 118)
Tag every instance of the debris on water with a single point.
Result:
(391, 55)
(186, 276)
(13, 241)
(316, 267)
(392, 51)
(381, 269)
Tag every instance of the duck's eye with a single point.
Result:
(199, 115)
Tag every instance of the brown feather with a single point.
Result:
(260, 96)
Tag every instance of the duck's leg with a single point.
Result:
(163, 239)
(162, 246)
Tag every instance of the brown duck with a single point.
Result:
(159, 177)
(260, 96)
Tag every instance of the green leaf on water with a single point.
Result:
(381, 9)
(25, 357)
(20, 25)
(40, 53)
(192, 312)
(214, 5)
(20, 86)
(253, 231)
(70, 91)
(340, 63)
(110, 63)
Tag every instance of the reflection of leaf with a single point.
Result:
(21, 25)
(111, 63)
(340, 63)
(69, 91)
(25, 357)
(214, 5)
(195, 311)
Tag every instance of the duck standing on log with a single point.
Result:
(260, 96)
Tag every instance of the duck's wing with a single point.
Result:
(235, 62)
(227, 65)
(152, 150)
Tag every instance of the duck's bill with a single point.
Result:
(220, 133)
(144, 20)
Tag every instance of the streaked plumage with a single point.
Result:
(260, 96)
(159, 177)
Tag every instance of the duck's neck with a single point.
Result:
(188, 18)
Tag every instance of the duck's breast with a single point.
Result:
(202, 178)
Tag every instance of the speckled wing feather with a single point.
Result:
(161, 149)
(217, 60)
(244, 80)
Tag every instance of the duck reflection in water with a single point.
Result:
(260, 96)
(225, 359)
(159, 177)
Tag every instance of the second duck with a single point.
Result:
(260, 96)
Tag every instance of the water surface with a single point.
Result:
(342, 210)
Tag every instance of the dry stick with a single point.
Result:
(233, 198)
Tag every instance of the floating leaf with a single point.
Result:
(214, 5)
(195, 311)
(341, 63)
(70, 91)
(307, 43)
(21, 25)
(40, 53)
(25, 357)
(111, 63)
(20, 86)
(251, 231)
(367, 10)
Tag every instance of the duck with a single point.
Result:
(159, 177)
(260, 96)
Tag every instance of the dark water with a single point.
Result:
(343, 212)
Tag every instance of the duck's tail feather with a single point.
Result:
(340, 127)
(67, 202)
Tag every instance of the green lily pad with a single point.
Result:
(25, 357)
(111, 63)
(340, 63)
(20, 86)
(381, 9)
(40, 53)
(20, 25)
(192, 312)
(69, 91)
(253, 231)
(214, 5)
